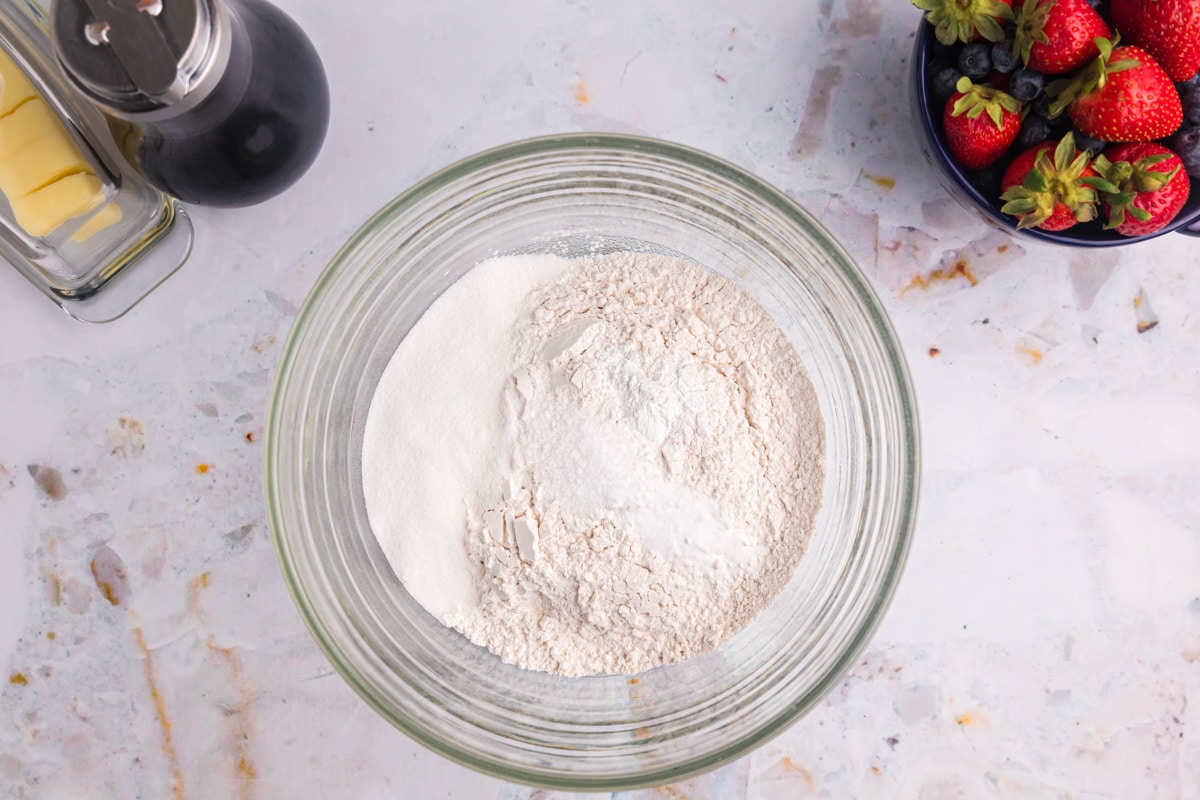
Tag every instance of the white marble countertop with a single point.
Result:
(1045, 639)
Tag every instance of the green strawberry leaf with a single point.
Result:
(958, 20)
(1064, 151)
(1031, 27)
(989, 29)
(1088, 79)
(1036, 181)
(1102, 185)
(976, 100)
(1020, 205)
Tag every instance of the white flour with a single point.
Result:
(601, 465)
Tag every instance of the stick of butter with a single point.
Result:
(42, 211)
(36, 150)
(43, 173)
(15, 87)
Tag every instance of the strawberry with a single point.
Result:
(980, 124)
(1056, 36)
(1142, 187)
(1044, 186)
(966, 20)
(1169, 30)
(1121, 96)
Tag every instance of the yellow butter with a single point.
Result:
(42, 151)
(41, 212)
(111, 214)
(15, 87)
(22, 127)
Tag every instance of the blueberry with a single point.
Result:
(1186, 144)
(1026, 84)
(1003, 58)
(975, 60)
(1041, 107)
(1085, 142)
(943, 82)
(1034, 130)
(1192, 81)
(1098, 5)
(1191, 105)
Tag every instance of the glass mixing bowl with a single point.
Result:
(571, 195)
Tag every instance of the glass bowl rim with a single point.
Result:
(625, 144)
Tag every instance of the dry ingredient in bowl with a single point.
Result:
(596, 465)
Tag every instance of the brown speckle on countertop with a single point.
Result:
(108, 570)
(49, 480)
(1147, 320)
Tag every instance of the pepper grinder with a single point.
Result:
(217, 102)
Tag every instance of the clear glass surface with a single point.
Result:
(95, 275)
(571, 195)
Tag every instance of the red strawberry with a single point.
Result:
(1044, 186)
(1122, 96)
(980, 124)
(1056, 36)
(1169, 30)
(1143, 187)
(966, 20)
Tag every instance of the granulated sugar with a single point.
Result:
(594, 465)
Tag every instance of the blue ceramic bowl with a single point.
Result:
(958, 181)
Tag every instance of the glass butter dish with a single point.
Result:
(75, 218)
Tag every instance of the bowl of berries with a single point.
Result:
(1075, 122)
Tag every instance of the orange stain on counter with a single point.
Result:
(245, 770)
(18, 679)
(203, 468)
(1147, 320)
(1035, 355)
(968, 719)
(810, 783)
(160, 709)
(240, 717)
(960, 269)
(193, 598)
(55, 584)
(581, 93)
(882, 181)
